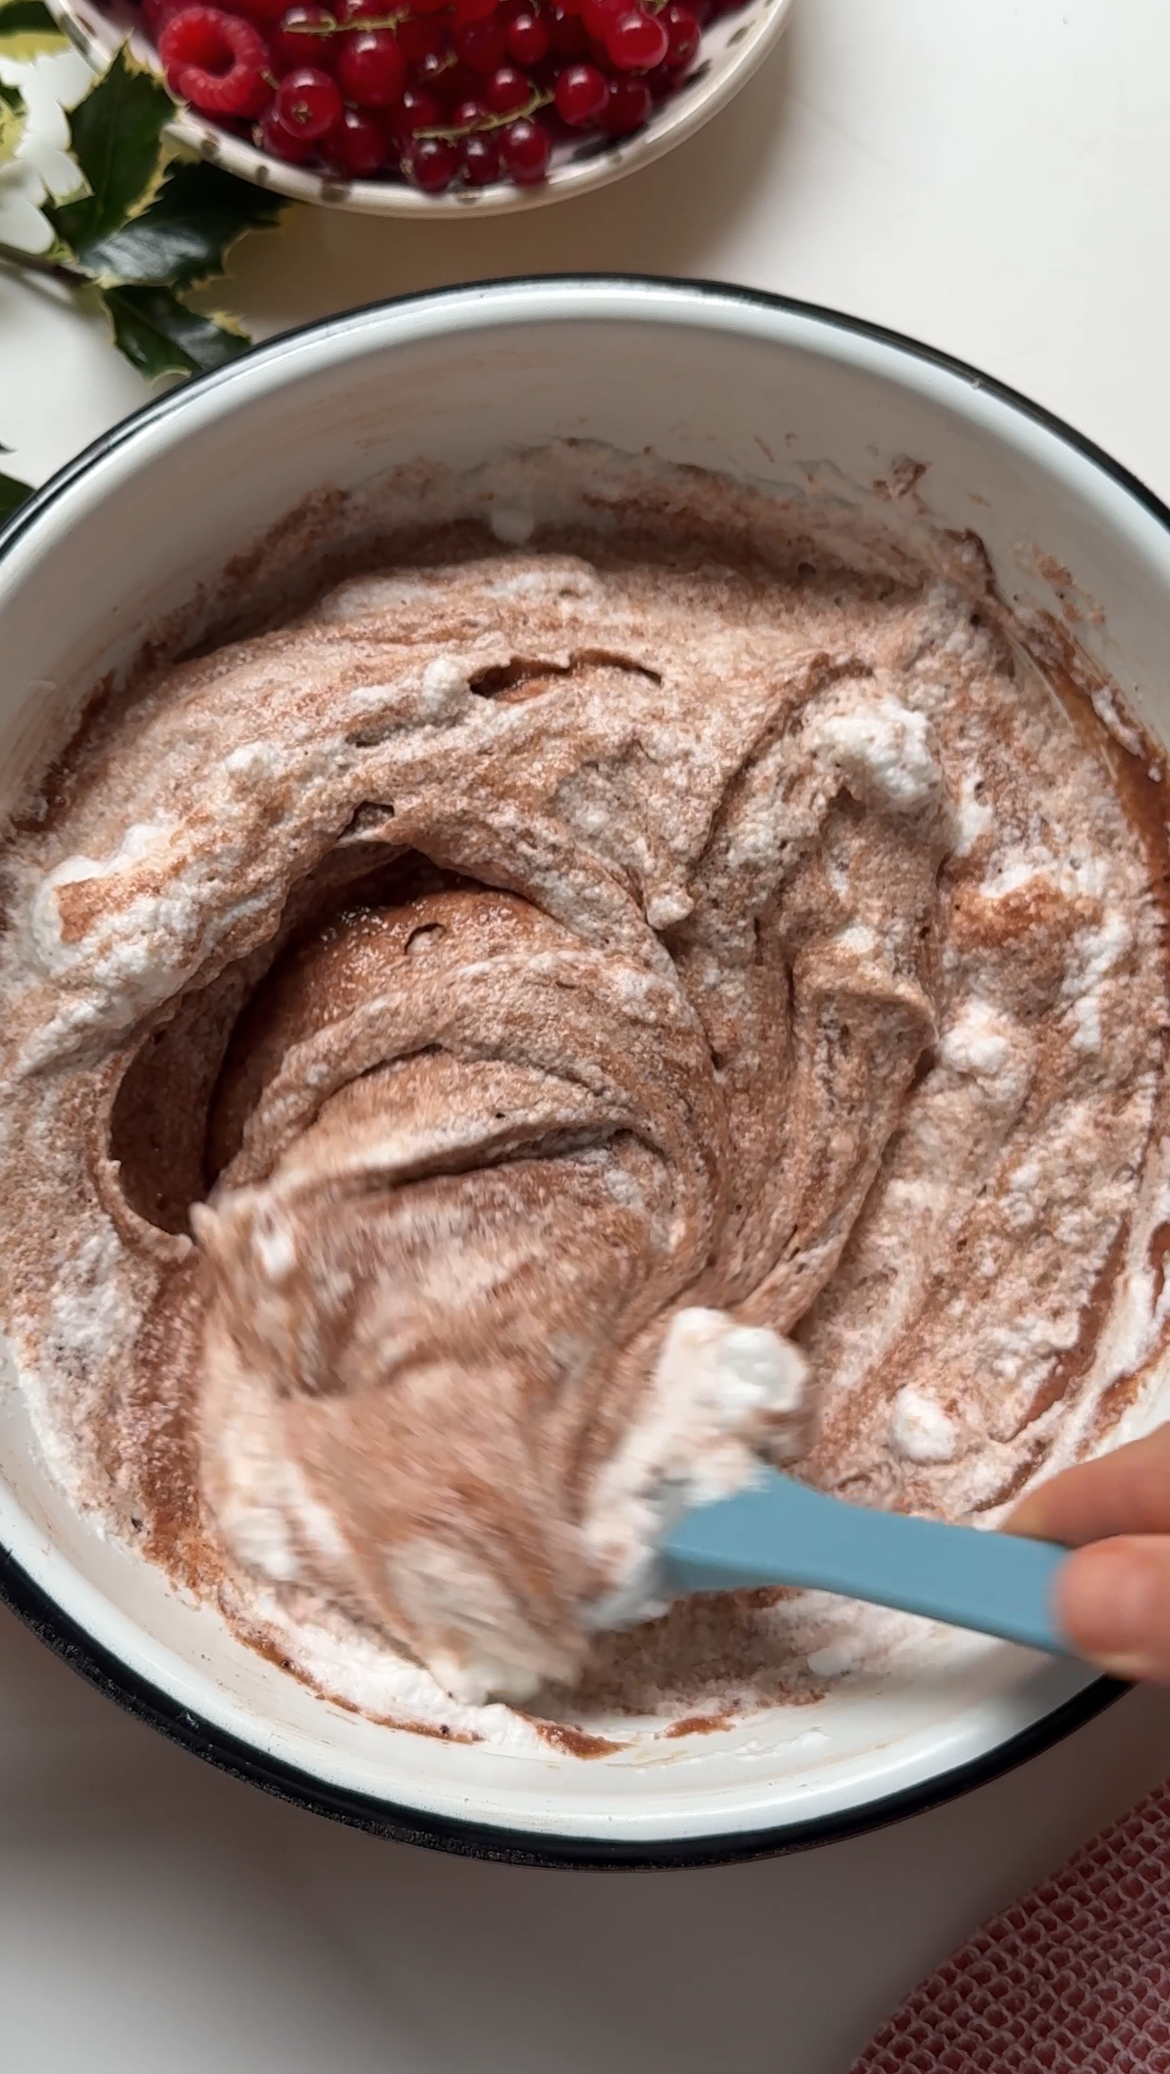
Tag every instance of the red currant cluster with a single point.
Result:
(437, 92)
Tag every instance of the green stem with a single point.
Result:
(39, 263)
(359, 26)
(491, 122)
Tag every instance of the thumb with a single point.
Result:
(1113, 1603)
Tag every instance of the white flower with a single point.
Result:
(42, 165)
(21, 222)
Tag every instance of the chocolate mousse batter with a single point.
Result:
(460, 1038)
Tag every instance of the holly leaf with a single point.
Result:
(27, 29)
(12, 121)
(12, 494)
(161, 336)
(184, 235)
(116, 138)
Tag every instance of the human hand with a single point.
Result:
(1113, 1595)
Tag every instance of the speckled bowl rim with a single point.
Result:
(147, 1701)
(677, 119)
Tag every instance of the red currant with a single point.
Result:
(272, 137)
(482, 45)
(526, 149)
(459, 83)
(529, 39)
(581, 95)
(215, 60)
(628, 106)
(420, 36)
(636, 42)
(598, 14)
(157, 13)
(303, 36)
(431, 164)
(508, 90)
(683, 35)
(308, 102)
(358, 143)
(474, 67)
(371, 69)
(434, 71)
(479, 159)
(566, 32)
(417, 110)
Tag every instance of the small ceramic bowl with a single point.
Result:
(733, 48)
(120, 542)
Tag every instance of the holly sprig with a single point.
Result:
(145, 226)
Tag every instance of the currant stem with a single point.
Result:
(381, 21)
(491, 122)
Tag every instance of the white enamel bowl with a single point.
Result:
(734, 47)
(121, 538)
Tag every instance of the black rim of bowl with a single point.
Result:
(242, 1760)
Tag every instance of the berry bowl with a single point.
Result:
(107, 556)
(410, 108)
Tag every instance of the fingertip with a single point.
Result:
(1028, 1519)
(1113, 1604)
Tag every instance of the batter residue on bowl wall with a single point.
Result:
(461, 1034)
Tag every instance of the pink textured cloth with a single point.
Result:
(1074, 1979)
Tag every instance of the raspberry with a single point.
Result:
(308, 102)
(215, 61)
(371, 69)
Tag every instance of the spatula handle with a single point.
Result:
(784, 1533)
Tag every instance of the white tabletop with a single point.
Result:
(990, 175)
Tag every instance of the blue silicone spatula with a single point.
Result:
(781, 1532)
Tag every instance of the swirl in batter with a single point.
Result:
(496, 1052)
